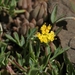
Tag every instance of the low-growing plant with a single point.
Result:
(35, 53)
(34, 57)
(9, 7)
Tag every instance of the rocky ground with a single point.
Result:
(67, 35)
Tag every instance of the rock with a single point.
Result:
(68, 33)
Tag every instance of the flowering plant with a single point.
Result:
(46, 34)
(32, 54)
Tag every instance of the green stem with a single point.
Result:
(19, 11)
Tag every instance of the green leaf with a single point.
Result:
(22, 41)
(6, 58)
(58, 30)
(6, 2)
(32, 54)
(13, 3)
(10, 38)
(20, 61)
(0, 1)
(2, 57)
(61, 68)
(65, 18)
(30, 33)
(53, 15)
(48, 49)
(69, 67)
(44, 73)
(53, 72)
(37, 49)
(58, 51)
(19, 11)
(46, 60)
(56, 67)
(34, 71)
(31, 62)
(60, 17)
(2, 46)
(16, 36)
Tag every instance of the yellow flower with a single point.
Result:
(42, 37)
(51, 36)
(49, 27)
(38, 34)
(45, 40)
(45, 29)
(46, 35)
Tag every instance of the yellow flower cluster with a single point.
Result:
(46, 35)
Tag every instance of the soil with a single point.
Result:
(67, 34)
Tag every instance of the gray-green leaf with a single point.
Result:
(53, 15)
